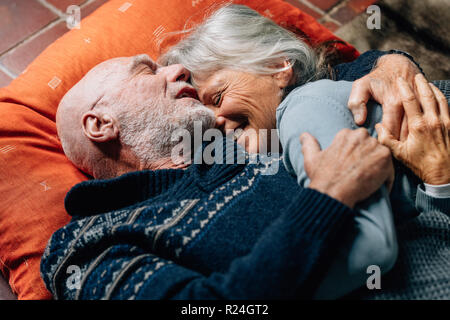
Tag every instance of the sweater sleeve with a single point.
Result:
(427, 203)
(360, 67)
(299, 239)
(364, 64)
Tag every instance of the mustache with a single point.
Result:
(177, 89)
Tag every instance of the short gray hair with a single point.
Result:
(237, 37)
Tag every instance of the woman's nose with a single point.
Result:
(220, 122)
(176, 72)
(226, 125)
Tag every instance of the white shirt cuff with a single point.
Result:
(438, 191)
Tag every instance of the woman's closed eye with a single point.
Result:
(217, 99)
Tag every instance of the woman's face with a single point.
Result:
(242, 100)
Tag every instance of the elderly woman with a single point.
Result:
(256, 75)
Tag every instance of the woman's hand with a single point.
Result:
(381, 85)
(426, 149)
(353, 167)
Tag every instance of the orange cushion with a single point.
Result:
(34, 173)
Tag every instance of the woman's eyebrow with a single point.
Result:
(217, 83)
(206, 92)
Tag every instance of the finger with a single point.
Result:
(410, 103)
(358, 100)
(404, 131)
(310, 150)
(443, 104)
(392, 118)
(388, 140)
(391, 178)
(426, 97)
(391, 104)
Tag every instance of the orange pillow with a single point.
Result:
(34, 173)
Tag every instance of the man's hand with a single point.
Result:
(426, 150)
(381, 85)
(353, 167)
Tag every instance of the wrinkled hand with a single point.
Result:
(381, 85)
(426, 150)
(353, 167)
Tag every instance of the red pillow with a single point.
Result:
(34, 173)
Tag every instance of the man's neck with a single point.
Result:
(118, 169)
(165, 163)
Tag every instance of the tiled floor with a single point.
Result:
(27, 27)
(333, 13)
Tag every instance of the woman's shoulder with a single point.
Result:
(337, 91)
(319, 98)
(320, 104)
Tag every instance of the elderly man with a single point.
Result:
(203, 231)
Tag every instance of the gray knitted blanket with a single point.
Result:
(422, 270)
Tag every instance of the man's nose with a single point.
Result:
(175, 72)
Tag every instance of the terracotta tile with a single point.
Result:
(325, 5)
(345, 14)
(304, 8)
(20, 19)
(63, 4)
(4, 79)
(18, 59)
(360, 5)
(330, 25)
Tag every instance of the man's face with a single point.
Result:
(153, 103)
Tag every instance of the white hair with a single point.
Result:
(237, 37)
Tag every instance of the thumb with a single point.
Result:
(388, 140)
(310, 150)
(358, 99)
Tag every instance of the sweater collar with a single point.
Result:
(98, 196)
(206, 173)
(217, 162)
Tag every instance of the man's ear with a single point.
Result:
(284, 78)
(99, 127)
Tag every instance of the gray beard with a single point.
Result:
(150, 136)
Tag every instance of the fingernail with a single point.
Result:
(359, 114)
(303, 138)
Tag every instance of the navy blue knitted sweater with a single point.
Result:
(221, 231)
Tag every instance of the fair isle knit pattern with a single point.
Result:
(220, 231)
